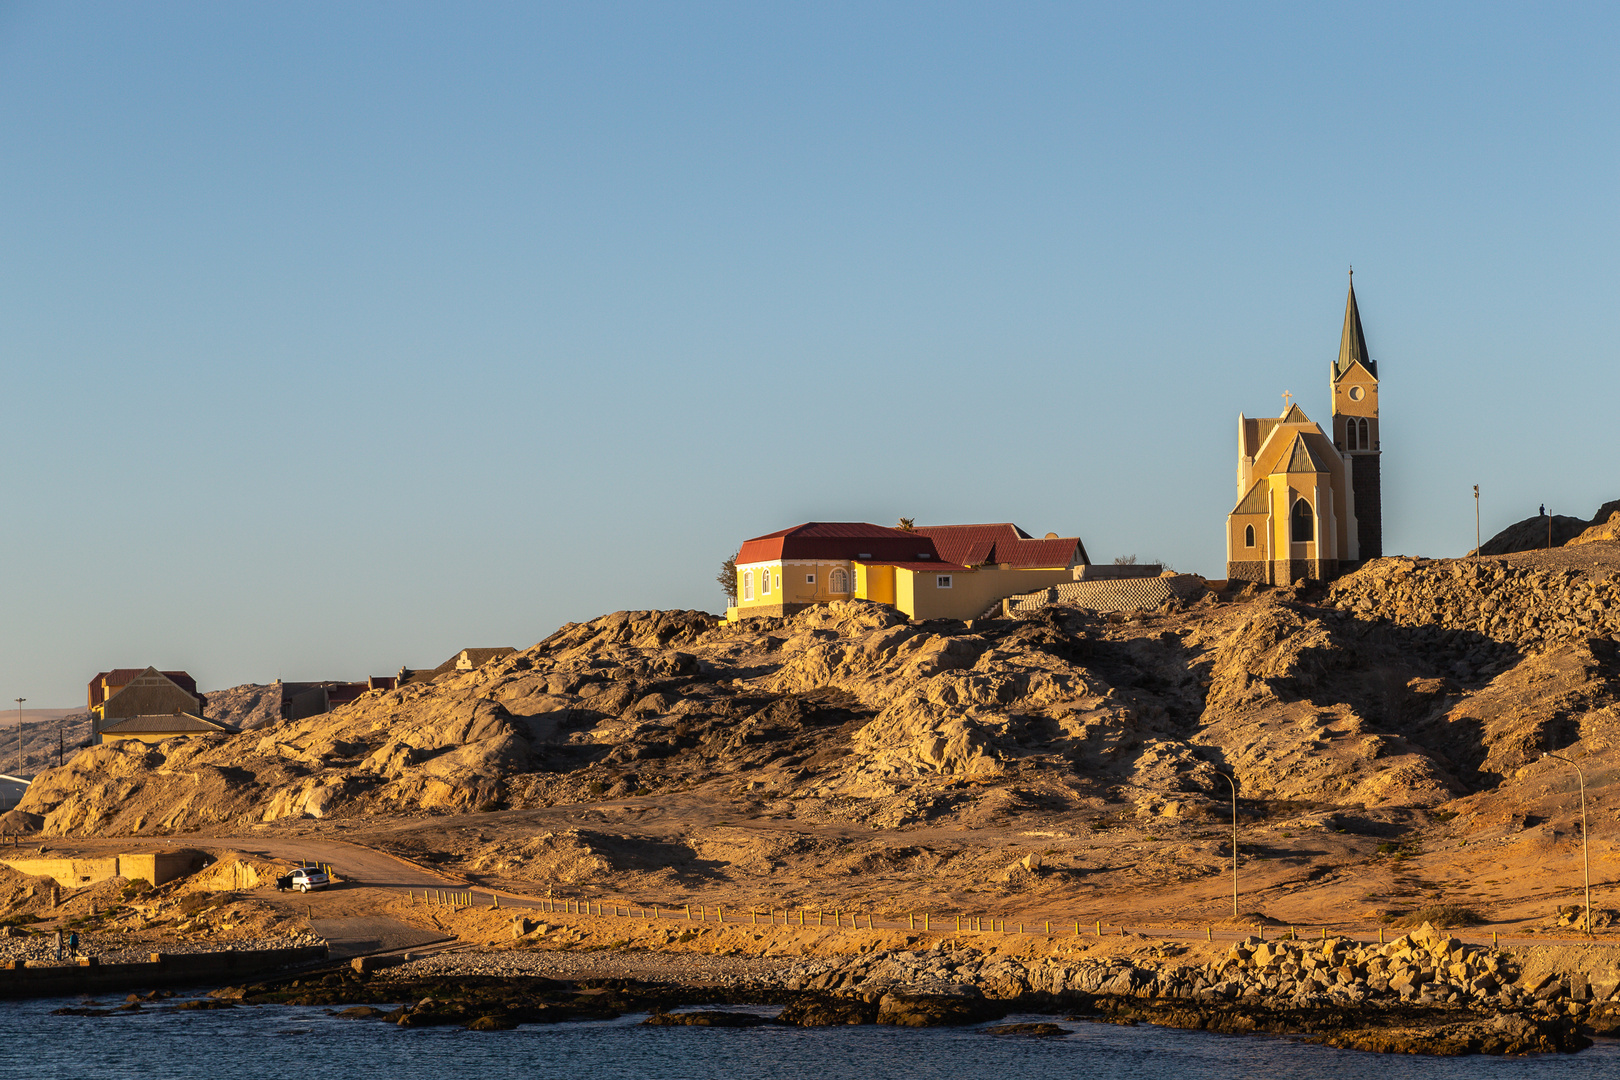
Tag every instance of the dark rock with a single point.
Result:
(493, 1022)
(1033, 1031)
(903, 1010)
(829, 1012)
(705, 1018)
(360, 1012)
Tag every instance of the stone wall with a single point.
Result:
(1128, 594)
(1522, 606)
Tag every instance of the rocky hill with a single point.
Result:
(249, 706)
(1533, 533)
(663, 749)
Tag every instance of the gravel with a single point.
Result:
(690, 969)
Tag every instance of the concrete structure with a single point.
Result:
(90, 976)
(928, 572)
(154, 867)
(1309, 504)
(125, 693)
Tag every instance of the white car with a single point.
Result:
(306, 878)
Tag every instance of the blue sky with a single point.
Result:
(340, 337)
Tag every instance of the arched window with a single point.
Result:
(838, 581)
(765, 582)
(748, 585)
(1366, 443)
(1248, 536)
(1304, 523)
(1351, 436)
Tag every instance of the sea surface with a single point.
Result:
(304, 1043)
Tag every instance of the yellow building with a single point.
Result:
(149, 705)
(155, 729)
(928, 572)
(1308, 504)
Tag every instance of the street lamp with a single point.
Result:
(1233, 785)
(1586, 862)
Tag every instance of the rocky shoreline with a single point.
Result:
(1425, 993)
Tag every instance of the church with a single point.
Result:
(1309, 503)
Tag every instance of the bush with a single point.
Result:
(1440, 916)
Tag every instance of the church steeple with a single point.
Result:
(1353, 342)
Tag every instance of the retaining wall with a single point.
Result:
(164, 969)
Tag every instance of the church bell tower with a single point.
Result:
(1355, 428)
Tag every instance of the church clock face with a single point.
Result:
(1357, 393)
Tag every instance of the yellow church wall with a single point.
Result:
(1235, 525)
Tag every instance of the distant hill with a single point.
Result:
(248, 706)
(1531, 533)
(43, 731)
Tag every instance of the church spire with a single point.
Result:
(1353, 343)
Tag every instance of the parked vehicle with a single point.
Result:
(306, 878)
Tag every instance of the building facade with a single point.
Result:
(928, 572)
(1310, 503)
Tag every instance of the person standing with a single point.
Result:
(73, 943)
(59, 944)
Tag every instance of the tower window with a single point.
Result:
(1366, 443)
(1248, 536)
(1351, 437)
(1357, 393)
(1304, 523)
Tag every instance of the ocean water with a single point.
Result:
(303, 1043)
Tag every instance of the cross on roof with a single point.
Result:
(1287, 400)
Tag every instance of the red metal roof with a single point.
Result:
(1002, 542)
(844, 540)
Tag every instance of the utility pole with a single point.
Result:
(1586, 862)
(1476, 523)
(1233, 785)
(19, 737)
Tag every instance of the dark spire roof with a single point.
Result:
(1353, 343)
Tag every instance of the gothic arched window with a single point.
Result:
(838, 581)
(1248, 536)
(1366, 443)
(1351, 435)
(1304, 523)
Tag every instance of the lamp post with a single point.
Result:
(1476, 523)
(1233, 785)
(19, 737)
(1586, 862)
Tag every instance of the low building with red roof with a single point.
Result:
(928, 571)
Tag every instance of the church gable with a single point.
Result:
(1303, 459)
(1257, 501)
